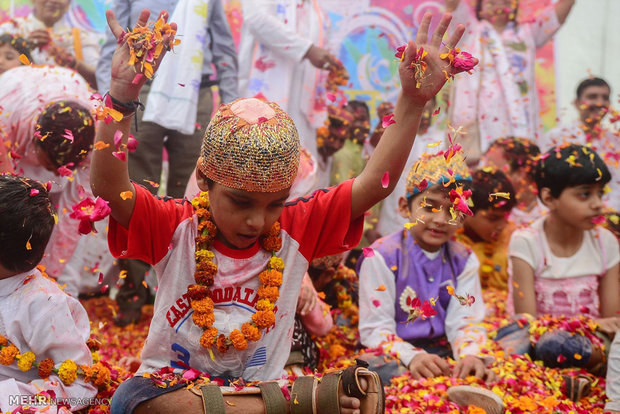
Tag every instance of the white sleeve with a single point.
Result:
(377, 314)
(271, 32)
(523, 246)
(463, 322)
(613, 376)
(57, 327)
(90, 48)
(544, 26)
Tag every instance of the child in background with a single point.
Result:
(348, 161)
(236, 256)
(486, 232)
(516, 157)
(421, 262)
(35, 315)
(563, 265)
(11, 47)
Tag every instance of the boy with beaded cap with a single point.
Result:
(208, 256)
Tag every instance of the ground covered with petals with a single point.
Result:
(525, 386)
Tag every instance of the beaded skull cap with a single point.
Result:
(251, 145)
(432, 169)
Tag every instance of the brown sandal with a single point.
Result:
(577, 387)
(465, 395)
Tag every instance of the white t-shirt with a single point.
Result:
(377, 309)
(572, 278)
(35, 315)
(613, 376)
(162, 233)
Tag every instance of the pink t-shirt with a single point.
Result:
(162, 233)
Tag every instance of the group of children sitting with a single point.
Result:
(230, 264)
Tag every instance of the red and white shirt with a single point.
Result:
(162, 232)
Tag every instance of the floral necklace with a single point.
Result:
(98, 374)
(200, 293)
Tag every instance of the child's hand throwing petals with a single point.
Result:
(123, 86)
(426, 85)
(425, 365)
(472, 365)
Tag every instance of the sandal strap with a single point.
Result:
(303, 394)
(212, 399)
(350, 379)
(275, 402)
(328, 393)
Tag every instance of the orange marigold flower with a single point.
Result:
(204, 305)
(45, 368)
(99, 374)
(203, 213)
(208, 267)
(197, 292)
(8, 354)
(272, 244)
(271, 293)
(238, 340)
(251, 332)
(222, 344)
(270, 278)
(264, 305)
(204, 320)
(208, 337)
(264, 319)
(3, 341)
(275, 229)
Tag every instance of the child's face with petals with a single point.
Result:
(487, 224)
(242, 216)
(580, 206)
(430, 211)
(9, 58)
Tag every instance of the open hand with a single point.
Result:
(423, 72)
(123, 87)
(307, 299)
(39, 37)
(425, 365)
(321, 58)
(609, 326)
(472, 365)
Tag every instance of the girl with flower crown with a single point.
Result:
(230, 264)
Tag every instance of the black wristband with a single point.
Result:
(125, 108)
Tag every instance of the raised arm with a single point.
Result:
(394, 147)
(109, 176)
(562, 8)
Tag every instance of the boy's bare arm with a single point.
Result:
(394, 147)
(109, 176)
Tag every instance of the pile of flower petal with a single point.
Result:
(116, 342)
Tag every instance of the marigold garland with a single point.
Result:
(68, 371)
(200, 293)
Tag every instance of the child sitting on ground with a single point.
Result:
(563, 265)
(486, 232)
(230, 264)
(39, 323)
(422, 263)
(516, 157)
(11, 48)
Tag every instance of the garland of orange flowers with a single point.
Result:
(68, 371)
(200, 293)
(345, 301)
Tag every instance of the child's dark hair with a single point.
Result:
(356, 105)
(586, 83)
(520, 153)
(486, 184)
(18, 43)
(65, 131)
(26, 222)
(569, 166)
